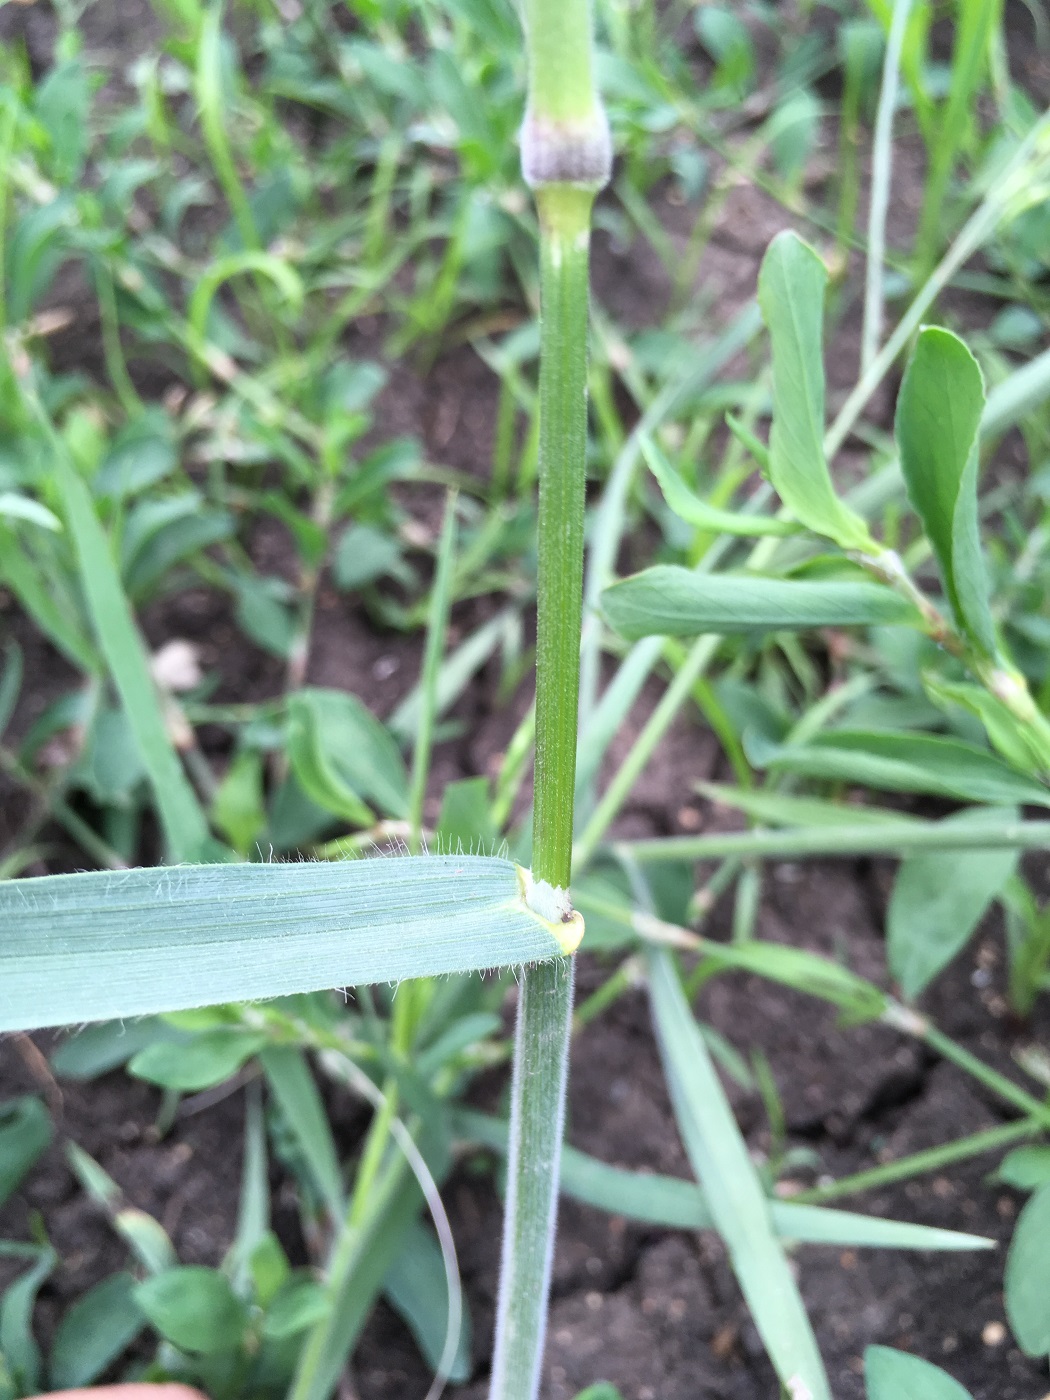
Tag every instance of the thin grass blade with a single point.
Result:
(734, 1193)
(185, 826)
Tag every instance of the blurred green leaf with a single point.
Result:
(299, 1305)
(363, 555)
(671, 601)
(185, 828)
(293, 1086)
(465, 823)
(94, 1331)
(937, 429)
(25, 1135)
(94, 1050)
(344, 757)
(897, 1375)
(791, 294)
(417, 1288)
(726, 38)
(199, 1063)
(938, 900)
(1027, 1284)
(15, 506)
(18, 1346)
(898, 761)
(141, 454)
(195, 1309)
(264, 614)
(792, 131)
(238, 809)
(1026, 1168)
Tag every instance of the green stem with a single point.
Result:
(887, 838)
(920, 1163)
(903, 1018)
(545, 1008)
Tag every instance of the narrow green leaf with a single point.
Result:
(938, 900)
(29, 583)
(937, 429)
(185, 827)
(1027, 1282)
(1022, 745)
(104, 945)
(791, 294)
(10, 683)
(15, 506)
(675, 1204)
(417, 1288)
(144, 1236)
(784, 809)
(675, 602)
(897, 1375)
(900, 761)
(292, 1085)
(25, 1135)
(195, 1309)
(94, 1332)
(18, 1346)
(697, 512)
(734, 1193)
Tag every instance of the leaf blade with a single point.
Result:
(104, 945)
(937, 427)
(739, 1207)
(791, 295)
(670, 601)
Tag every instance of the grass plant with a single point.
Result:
(288, 217)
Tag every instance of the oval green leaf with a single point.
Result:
(1028, 1277)
(896, 1375)
(195, 1309)
(937, 428)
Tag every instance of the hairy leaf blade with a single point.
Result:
(937, 428)
(674, 602)
(791, 294)
(108, 944)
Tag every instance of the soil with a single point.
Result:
(655, 1312)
